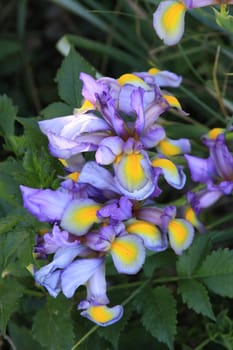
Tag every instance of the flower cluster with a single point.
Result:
(215, 173)
(115, 151)
(168, 19)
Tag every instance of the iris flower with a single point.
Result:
(169, 17)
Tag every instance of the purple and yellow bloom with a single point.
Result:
(169, 17)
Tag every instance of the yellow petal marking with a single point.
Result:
(165, 164)
(171, 17)
(85, 215)
(74, 176)
(100, 313)
(133, 170)
(172, 101)
(131, 79)
(178, 231)
(144, 228)
(190, 215)
(168, 149)
(86, 106)
(126, 251)
(63, 161)
(213, 133)
(154, 71)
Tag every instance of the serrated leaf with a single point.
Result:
(189, 261)
(217, 272)
(10, 293)
(69, 84)
(7, 116)
(8, 222)
(195, 295)
(52, 326)
(158, 308)
(112, 334)
(56, 109)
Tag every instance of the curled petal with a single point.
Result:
(79, 216)
(181, 234)
(149, 233)
(168, 21)
(77, 274)
(134, 177)
(170, 147)
(45, 205)
(128, 254)
(108, 149)
(103, 315)
(172, 174)
(95, 175)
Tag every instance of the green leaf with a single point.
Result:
(9, 47)
(8, 222)
(56, 109)
(195, 295)
(10, 293)
(52, 326)
(22, 337)
(217, 272)
(158, 309)
(7, 116)
(223, 19)
(189, 261)
(69, 84)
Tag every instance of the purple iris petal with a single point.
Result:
(97, 286)
(108, 149)
(137, 106)
(201, 169)
(77, 274)
(117, 210)
(222, 158)
(152, 136)
(161, 78)
(97, 176)
(91, 87)
(46, 205)
(58, 239)
(49, 276)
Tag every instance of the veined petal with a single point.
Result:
(79, 216)
(172, 174)
(168, 21)
(149, 233)
(77, 274)
(134, 176)
(128, 254)
(45, 205)
(170, 147)
(181, 234)
(103, 315)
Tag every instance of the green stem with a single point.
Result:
(201, 346)
(92, 330)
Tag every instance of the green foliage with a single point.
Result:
(158, 308)
(221, 332)
(216, 272)
(10, 293)
(7, 116)
(195, 295)
(69, 84)
(52, 326)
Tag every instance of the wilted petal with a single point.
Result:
(168, 21)
(45, 205)
(172, 174)
(103, 315)
(181, 234)
(169, 147)
(149, 233)
(128, 254)
(77, 274)
(79, 216)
